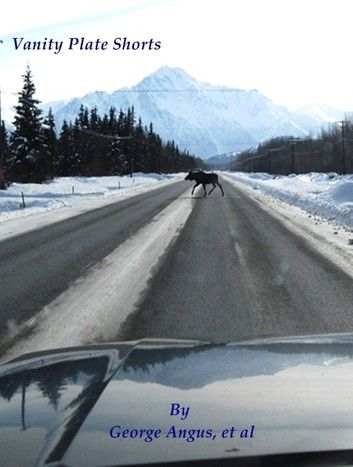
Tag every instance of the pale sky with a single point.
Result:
(296, 52)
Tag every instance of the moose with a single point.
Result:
(202, 178)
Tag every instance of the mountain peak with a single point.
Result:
(172, 72)
(203, 118)
(168, 78)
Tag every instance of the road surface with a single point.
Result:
(232, 271)
(235, 271)
(37, 266)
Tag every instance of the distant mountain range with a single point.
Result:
(206, 120)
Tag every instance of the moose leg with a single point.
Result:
(204, 189)
(220, 186)
(214, 186)
(197, 184)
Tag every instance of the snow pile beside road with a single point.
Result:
(326, 195)
(341, 194)
(72, 191)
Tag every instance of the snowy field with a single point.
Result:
(65, 194)
(326, 196)
(70, 191)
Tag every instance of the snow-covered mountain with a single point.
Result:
(205, 119)
(323, 113)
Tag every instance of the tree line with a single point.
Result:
(331, 151)
(92, 145)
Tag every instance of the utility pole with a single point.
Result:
(292, 158)
(131, 166)
(2, 142)
(269, 155)
(292, 142)
(343, 128)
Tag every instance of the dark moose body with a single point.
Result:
(202, 178)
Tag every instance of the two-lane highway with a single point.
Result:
(231, 270)
(236, 271)
(37, 266)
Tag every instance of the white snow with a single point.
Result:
(322, 113)
(55, 201)
(316, 207)
(329, 196)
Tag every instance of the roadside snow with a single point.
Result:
(55, 201)
(315, 207)
(329, 196)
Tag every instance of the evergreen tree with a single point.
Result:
(66, 162)
(94, 119)
(105, 126)
(80, 143)
(49, 164)
(113, 125)
(115, 160)
(83, 118)
(4, 151)
(26, 145)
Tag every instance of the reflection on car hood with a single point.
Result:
(281, 395)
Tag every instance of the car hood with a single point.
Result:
(280, 395)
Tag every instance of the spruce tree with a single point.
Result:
(138, 146)
(68, 162)
(49, 163)
(83, 118)
(26, 145)
(114, 160)
(79, 147)
(113, 126)
(4, 150)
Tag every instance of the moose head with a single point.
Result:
(190, 176)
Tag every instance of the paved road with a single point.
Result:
(236, 271)
(232, 271)
(37, 266)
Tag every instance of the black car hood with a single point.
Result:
(281, 395)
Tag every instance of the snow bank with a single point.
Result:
(341, 194)
(329, 196)
(71, 191)
(154, 176)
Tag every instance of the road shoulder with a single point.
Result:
(318, 233)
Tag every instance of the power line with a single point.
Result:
(102, 135)
(309, 152)
(122, 91)
(276, 149)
